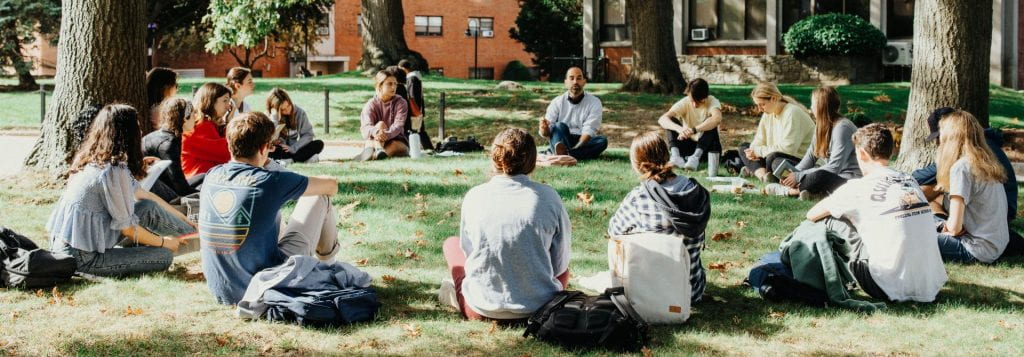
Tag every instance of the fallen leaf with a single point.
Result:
(1006, 325)
(449, 214)
(419, 234)
(358, 242)
(494, 327)
(721, 236)
(421, 242)
(718, 299)
(387, 278)
(411, 330)
(346, 211)
(647, 352)
(362, 262)
(458, 172)
(40, 293)
(405, 186)
(14, 315)
(409, 254)
(882, 98)
(267, 348)
(132, 311)
(586, 197)
(741, 224)
(222, 340)
(777, 314)
(720, 266)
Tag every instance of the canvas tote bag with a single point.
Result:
(654, 269)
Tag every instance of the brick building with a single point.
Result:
(436, 29)
(736, 34)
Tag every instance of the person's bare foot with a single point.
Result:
(561, 149)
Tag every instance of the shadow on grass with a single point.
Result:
(398, 297)
(167, 341)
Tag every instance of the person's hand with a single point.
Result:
(171, 243)
(545, 127)
(687, 132)
(790, 181)
(750, 154)
(380, 136)
(285, 147)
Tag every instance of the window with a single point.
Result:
(899, 21)
(730, 20)
(796, 10)
(428, 25)
(359, 24)
(613, 21)
(323, 27)
(438, 71)
(481, 72)
(484, 24)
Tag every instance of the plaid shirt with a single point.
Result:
(639, 214)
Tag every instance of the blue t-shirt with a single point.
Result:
(238, 224)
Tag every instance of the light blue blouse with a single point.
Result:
(96, 205)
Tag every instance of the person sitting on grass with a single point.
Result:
(165, 144)
(511, 258)
(785, 131)
(885, 217)
(417, 105)
(161, 84)
(664, 203)
(691, 126)
(573, 120)
(240, 202)
(204, 146)
(832, 141)
(383, 121)
(103, 218)
(968, 172)
(297, 142)
(242, 85)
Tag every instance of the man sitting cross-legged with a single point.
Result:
(573, 120)
(886, 218)
(239, 221)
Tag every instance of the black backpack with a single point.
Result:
(24, 265)
(576, 320)
(454, 144)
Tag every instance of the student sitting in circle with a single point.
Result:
(691, 126)
(242, 85)
(165, 144)
(665, 203)
(161, 84)
(103, 218)
(204, 146)
(785, 131)
(886, 219)
(297, 140)
(383, 121)
(573, 120)
(509, 258)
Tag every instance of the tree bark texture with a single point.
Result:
(655, 67)
(950, 69)
(384, 37)
(101, 59)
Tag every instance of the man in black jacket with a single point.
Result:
(414, 87)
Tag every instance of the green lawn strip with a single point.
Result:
(399, 234)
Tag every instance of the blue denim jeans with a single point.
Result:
(123, 261)
(953, 249)
(590, 150)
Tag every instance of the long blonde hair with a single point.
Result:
(768, 91)
(962, 137)
(825, 103)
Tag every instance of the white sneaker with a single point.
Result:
(446, 293)
(692, 163)
(677, 161)
(313, 160)
(775, 189)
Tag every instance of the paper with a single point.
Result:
(153, 173)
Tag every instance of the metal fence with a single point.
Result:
(598, 68)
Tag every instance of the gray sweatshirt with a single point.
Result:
(303, 132)
(842, 158)
(516, 235)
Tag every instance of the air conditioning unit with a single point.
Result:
(487, 33)
(898, 54)
(700, 34)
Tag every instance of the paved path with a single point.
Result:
(15, 149)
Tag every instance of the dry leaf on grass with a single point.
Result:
(882, 98)
(721, 236)
(419, 234)
(346, 211)
(421, 242)
(362, 262)
(387, 278)
(586, 197)
(647, 352)
(493, 328)
(132, 311)
(409, 254)
(405, 186)
(777, 314)
(458, 172)
(222, 340)
(720, 266)
(412, 330)
(741, 224)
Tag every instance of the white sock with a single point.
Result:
(674, 152)
(697, 153)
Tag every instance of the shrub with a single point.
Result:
(516, 71)
(833, 35)
(549, 29)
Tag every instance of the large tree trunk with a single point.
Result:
(384, 36)
(101, 59)
(951, 64)
(655, 67)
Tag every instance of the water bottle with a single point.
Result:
(713, 164)
(415, 148)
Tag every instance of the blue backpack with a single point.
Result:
(324, 308)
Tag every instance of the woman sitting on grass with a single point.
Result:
(968, 172)
(664, 203)
(165, 144)
(204, 146)
(383, 120)
(832, 141)
(509, 258)
(297, 141)
(161, 83)
(691, 126)
(103, 219)
(241, 83)
(785, 131)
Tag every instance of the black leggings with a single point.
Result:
(772, 161)
(821, 182)
(302, 154)
(709, 142)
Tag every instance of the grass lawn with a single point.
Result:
(476, 108)
(407, 205)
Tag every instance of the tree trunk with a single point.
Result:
(655, 67)
(950, 69)
(384, 37)
(101, 59)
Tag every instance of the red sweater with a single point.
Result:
(202, 149)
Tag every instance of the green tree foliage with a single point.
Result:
(20, 22)
(833, 35)
(516, 71)
(548, 29)
(250, 24)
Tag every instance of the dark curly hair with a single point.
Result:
(114, 138)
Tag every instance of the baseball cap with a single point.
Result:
(933, 121)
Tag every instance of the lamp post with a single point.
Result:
(474, 30)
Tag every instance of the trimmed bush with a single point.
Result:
(516, 71)
(833, 35)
